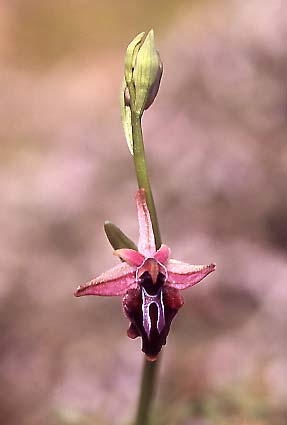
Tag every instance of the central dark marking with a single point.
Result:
(153, 312)
(151, 288)
(151, 308)
(152, 304)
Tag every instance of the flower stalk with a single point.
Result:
(148, 384)
(150, 369)
(147, 279)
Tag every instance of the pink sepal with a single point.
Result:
(182, 275)
(130, 256)
(146, 243)
(115, 281)
(162, 254)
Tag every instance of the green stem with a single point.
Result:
(148, 381)
(149, 373)
(142, 173)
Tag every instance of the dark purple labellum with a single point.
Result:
(151, 308)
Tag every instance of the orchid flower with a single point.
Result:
(149, 282)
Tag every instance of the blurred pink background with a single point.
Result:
(214, 144)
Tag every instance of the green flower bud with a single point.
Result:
(146, 74)
(155, 86)
(143, 71)
(131, 55)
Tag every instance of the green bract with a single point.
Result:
(126, 117)
(117, 238)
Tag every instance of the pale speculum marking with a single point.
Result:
(148, 319)
(153, 311)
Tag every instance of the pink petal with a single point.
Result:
(146, 243)
(183, 275)
(115, 281)
(162, 254)
(130, 256)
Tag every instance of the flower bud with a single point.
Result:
(146, 73)
(143, 72)
(131, 55)
(155, 86)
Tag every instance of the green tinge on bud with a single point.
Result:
(147, 72)
(117, 238)
(143, 71)
(131, 55)
(130, 60)
(155, 86)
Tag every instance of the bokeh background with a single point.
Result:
(214, 142)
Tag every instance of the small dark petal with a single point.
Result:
(173, 301)
(132, 331)
(132, 302)
(172, 298)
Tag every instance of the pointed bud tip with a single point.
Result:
(150, 33)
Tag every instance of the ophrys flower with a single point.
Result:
(149, 282)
